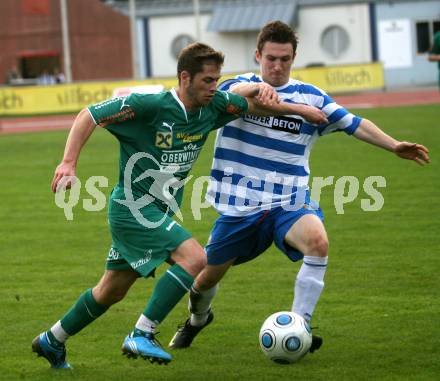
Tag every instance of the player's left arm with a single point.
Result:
(370, 133)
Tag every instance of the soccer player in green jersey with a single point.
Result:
(434, 53)
(160, 137)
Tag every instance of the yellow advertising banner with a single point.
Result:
(55, 99)
(343, 79)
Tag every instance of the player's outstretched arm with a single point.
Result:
(309, 113)
(263, 100)
(263, 92)
(82, 128)
(370, 133)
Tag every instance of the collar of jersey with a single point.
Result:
(278, 87)
(182, 106)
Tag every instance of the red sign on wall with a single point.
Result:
(35, 7)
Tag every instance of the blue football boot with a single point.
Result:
(145, 346)
(56, 355)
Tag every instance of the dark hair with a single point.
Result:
(194, 56)
(277, 31)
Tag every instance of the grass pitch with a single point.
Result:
(379, 313)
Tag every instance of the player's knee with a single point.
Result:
(199, 262)
(191, 256)
(193, 264)
(318, 246)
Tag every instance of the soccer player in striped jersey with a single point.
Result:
(259, 182)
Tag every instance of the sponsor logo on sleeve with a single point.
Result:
(233, 109)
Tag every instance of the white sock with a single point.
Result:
(145, 324)
(309, 285)
(59, 333)
(200, 304)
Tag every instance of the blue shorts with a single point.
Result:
(245, 238)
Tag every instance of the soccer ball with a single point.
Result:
(285, 337)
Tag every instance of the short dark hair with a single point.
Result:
(194, 56)
(277, 31)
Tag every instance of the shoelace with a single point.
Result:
(181, 326)
(154, 339)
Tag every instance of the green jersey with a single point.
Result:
(436, 46)
(160, 141)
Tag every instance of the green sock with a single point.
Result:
(170, 288)
(82, 313)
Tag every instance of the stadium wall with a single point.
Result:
(406, 67)
(35, 100)
(315, 21)
(363, 21)
(239, 47)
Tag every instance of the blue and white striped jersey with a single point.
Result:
(263, 162)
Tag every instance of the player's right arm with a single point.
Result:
(263, 100)
(82, 128)
(114, 115)
(309, 113)
(262, 91)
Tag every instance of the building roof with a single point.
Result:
(248, 16)
(147, 8)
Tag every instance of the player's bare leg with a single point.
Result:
(113, 286)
